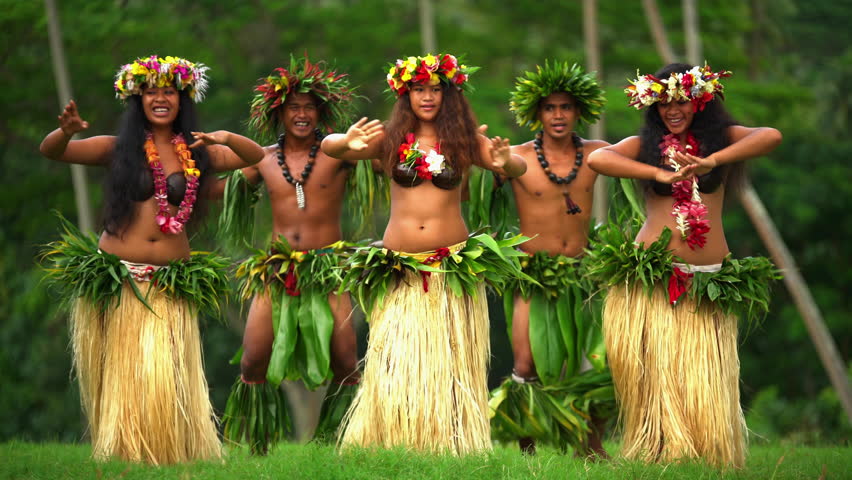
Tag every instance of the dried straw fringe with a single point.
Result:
(425, 376)
(142, 383)
(676, 374)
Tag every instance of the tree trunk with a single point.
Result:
(692, 32)
(658, 31)
(63, 84)
(427, 27)
(600, 203)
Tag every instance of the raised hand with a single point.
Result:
(70, 122)
(360, 134)
(219, 137)
(669, 176)
(499, 149)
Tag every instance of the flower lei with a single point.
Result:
(168, 223)
(428, 70)
(698, 85)
(159, 72)
(426, 165)
(690, 213)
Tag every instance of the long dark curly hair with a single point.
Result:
(709, 127)
(128, 164)
(456, 124)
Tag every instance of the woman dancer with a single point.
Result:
(673, 351)
(138, 289)
(424, 381)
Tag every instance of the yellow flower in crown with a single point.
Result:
(431, 62)
(699, 85)
(160, 72)
(427, 70)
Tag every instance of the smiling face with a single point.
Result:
(558, 114)
(161, 105)
(300, 115)
(676, 115)
(426, 101)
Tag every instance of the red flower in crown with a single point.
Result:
(422, 75)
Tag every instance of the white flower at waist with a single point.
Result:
(435, 161)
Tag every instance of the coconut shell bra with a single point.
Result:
(175, 186)
(406, 176)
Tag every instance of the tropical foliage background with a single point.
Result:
(791, 70)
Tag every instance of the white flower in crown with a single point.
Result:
(435, 161)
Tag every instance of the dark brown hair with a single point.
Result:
(455, 122)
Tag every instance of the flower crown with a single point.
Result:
(698, 85)
(428, 70)
(559, 77)
(160, 72)
(327, 85)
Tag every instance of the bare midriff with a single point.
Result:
(424, 218)
(141, 241)
(659, 209)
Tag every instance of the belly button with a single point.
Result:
(422, 227)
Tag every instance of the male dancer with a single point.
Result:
(298, 327)
(552, 326)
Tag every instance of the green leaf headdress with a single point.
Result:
(555, 78)
(330, 88)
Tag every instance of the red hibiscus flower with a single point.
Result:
(422, 75)
(447, 63)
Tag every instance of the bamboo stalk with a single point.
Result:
(798, 289)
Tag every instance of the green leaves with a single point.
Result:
(258, 414)
(740, 288)
(75, 265)
(236, 221)
(555, 414)
(369, 270)
(365, 192)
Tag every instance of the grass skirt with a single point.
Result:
(676, 374)
(424, 384)
(142, 384)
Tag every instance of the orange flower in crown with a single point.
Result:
(428, 70)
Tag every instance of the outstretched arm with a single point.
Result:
(217, 190)
(240, 151)
(57, 145)
(619, 160)
(746, 143)
(496, 155)
(362, 141)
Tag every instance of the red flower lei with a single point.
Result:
(411, 155)
(168, 223)
(690, 213)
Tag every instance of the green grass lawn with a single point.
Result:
(20, 460)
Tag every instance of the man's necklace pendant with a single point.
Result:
(300, 196)
(571, 208)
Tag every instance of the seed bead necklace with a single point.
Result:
(571, 207)
(312, 157)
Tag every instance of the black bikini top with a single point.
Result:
(707, 183)
(406, 176)
(175, 187)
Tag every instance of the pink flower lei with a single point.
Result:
(172, 224)
(690, 213)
